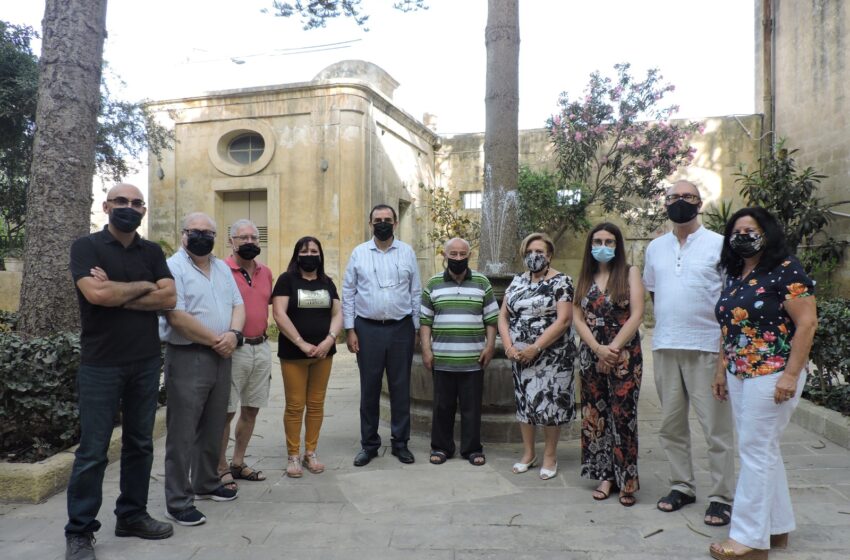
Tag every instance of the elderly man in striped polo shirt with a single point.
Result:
(458, 333)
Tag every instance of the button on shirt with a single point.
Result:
(381, 285)
(686, 281)
(209, 300)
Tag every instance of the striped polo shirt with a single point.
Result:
(457, 314)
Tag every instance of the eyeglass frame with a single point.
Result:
(244, 238)
(203, 232)
(690, 198)
(135, 203)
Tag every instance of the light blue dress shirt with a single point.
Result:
(209, 300)
(381, 285)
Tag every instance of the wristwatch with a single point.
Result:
(240, 340)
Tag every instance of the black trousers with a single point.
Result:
(451, 387)
(384, 348)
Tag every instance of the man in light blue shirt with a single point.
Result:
(202, 332)
(380, 310)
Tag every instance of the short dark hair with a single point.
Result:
(383, 207)
(293, 262)
(775, 248)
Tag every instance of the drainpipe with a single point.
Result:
(769, 123)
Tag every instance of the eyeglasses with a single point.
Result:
(201, 232)
(244, 238)
(606, 242)
(123, 201)
(690, 198)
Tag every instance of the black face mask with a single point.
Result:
(248, 251)
(383, 231)
(199, 245)
(682, 212)
(309, 263)
(458, 266)
(746, 245)
(125, 219)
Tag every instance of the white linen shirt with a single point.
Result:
(209, 300)
(381, 285)
(686, 281)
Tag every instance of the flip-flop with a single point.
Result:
(438, 457)
(676, 499)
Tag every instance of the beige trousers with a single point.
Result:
(683, 379)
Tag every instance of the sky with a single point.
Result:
(165, 49)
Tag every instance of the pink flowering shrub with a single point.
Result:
(616, 145)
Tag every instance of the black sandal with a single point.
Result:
(676, 499)
(599, 494)
(627, 500)
(719, 510)
(474, 459)
(438, 457)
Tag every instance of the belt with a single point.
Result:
(192, 345)
(254, 340)
(384, 321)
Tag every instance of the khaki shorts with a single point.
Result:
(251, 375)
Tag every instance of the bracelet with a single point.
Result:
(299, 339)
(332, 335)
(539, 351)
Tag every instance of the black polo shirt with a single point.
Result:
(113, 335)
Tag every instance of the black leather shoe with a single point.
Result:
(363, 457)
(404, 455)
(79, 546)
(145, 528)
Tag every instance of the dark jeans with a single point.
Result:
(449, 388)
(102, 389)
(384, 347)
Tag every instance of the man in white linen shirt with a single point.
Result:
(683, 278)
(202, 332)
(380, 310)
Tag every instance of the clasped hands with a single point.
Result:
(319, 350)
(524, 356)
(608, 355)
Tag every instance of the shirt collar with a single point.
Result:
(449, 278)
(188, 257)
(231, 262)
(373, 246)
(107, 237)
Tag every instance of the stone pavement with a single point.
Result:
(387, 510)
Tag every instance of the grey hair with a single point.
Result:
(241, 223)
(452, 240)
(184, 223)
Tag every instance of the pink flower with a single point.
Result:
(579, 136)
(768, 336)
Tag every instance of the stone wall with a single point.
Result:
(725, 143)
(812, 94)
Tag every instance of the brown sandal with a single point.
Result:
(238, 471)
(311, 463)
(229, 484)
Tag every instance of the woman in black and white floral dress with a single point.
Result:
(533, 323)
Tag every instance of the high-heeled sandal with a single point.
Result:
(293, 467)
(311, 463)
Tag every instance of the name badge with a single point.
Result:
(600, 321)
(314, 299)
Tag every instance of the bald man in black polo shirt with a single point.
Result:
(122, 281)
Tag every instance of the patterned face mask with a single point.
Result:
(535, 262)
(746, 244)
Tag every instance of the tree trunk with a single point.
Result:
(59, 197)
(501, 149)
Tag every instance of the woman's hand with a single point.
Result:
(527, 354)
(786, 388)
(608, 354)
(321, 350)
(718, 386)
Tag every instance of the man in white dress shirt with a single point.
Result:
(683, 278)
(380, 310)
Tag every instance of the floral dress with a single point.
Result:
(609, 429)
(544, 388)
(757, 331)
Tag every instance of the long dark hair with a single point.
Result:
(293, 262)
(775, 248)
(618, 279)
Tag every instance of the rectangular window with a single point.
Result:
(471, 200)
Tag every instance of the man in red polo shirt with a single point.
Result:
(251, 373)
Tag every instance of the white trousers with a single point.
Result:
(762, 501)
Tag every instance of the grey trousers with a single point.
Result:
(683, 380)
(197, 382)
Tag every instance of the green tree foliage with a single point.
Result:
(615, 146)
(545, 206)
(790, 194)
(18, 89)
(124, 131)
(316, 13)
(450, 219)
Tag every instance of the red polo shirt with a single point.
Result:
(256, 295)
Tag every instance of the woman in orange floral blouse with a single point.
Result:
(768, 318)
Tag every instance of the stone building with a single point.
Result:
(298, 159)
